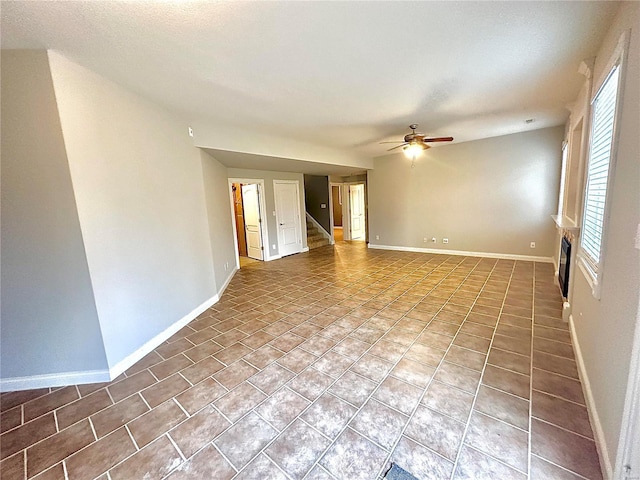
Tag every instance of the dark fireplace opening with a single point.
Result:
(563, 270)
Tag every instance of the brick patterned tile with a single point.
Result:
(153, 461)
(383, 326)
(57, 447)
(99, 457)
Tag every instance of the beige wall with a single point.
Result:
(605, 328)
(216, 188)
(494, 195)
(268, 178)
(138, 184)
(49, 319)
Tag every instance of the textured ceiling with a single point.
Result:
(342, 75)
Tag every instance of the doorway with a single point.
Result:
(247, 200)
(357, 212)
(336, 205)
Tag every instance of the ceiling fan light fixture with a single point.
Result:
(414, 149)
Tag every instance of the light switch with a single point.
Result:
(323, 205)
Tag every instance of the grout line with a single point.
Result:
(186, 379)
(153, 375)
(220, 452)
(55, 419)
(181, 407)
(475, 397)
(135, 444)
(591, 439)
(533, 334)
(561, 398)
(113, 402)
(64, 469)
(145, 402)
(95, 435)
(559, 466)
(176, 447)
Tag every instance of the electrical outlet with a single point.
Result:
(424, 239)
(273, 246)
(434, 240)
(190, 132)
(323, 205)
(533, 245)
(445, 240)
(377, 237)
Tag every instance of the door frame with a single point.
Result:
(341, 193)
(250, 186)
(302, 232)
(263, 215)
(346, 211)
(630, 429)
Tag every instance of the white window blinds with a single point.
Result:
(604, 111)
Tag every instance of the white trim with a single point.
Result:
(53, 380)
(320, 228)
(630, 425)
(619, 58)
(305, 249)
(505, 256)
(226, 283)
(152, 344)
(96, 376)
(263, 215)
(273, 257)
(603, 452)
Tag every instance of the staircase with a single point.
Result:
(315, 238)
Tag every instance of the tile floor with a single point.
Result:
(329, 365)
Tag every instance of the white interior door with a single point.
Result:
(251, 206)
(356, 197)
(287, 199)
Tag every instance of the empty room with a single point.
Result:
(320, 240)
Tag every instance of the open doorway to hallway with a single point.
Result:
(336, 203)
(349, 211)
(357, 220)
(248, 212)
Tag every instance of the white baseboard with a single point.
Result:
(273, 257)
(96, 376)
(505, 256)
(53, 380)
(226, 283)
(305, 249)
(320, 228)
(152, 344)
(598, 432)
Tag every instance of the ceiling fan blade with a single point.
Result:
(438, 139)
(397, 141)
(401, 145)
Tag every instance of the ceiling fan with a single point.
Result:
(415, 142)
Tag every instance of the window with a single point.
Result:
(601, 143)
